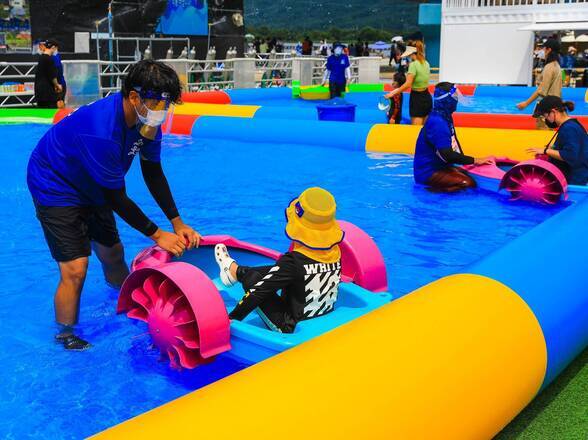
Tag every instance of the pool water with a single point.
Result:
(220, 187)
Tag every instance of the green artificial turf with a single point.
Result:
(560, 412)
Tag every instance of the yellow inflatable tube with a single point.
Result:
(476, 142)
(236, 111)
(456, 359)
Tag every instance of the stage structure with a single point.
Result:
(125, 29)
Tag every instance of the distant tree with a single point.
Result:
(368, 33)
(335, 34)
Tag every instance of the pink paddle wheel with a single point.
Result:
(535, 181)
(183, 309)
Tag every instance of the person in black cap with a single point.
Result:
(569, 152)
(551, 81)
(47, 87)
(54, 46)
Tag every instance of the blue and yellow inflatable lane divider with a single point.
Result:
(455, 359)
(364, 137)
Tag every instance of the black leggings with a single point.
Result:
(273, 311)
(336, 89)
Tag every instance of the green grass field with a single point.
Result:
(560, 412)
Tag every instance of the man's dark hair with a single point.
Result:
(445, 86)
(150, 75)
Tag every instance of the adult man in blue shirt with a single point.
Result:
(337, 71)
(76, 177)
(438, 149)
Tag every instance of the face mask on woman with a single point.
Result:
(338, 51)
(550, 124)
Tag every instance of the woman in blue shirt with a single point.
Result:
(570, 149)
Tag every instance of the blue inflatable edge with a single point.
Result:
(340, 135)
(550, 278)
(253, 96)
(523, 92)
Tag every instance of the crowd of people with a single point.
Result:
(574, 63)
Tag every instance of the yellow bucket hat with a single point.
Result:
(311, 220)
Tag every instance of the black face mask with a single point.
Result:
(551, 124)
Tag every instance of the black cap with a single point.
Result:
(547, 104)
(49, 43)
(553, 44)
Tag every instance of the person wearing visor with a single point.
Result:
(569, 152)
(438, 149)
(417, 80)
(76, 176)
(551, 80)
(308, 275)
(337, 71)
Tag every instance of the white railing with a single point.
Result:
(210, 75)
(470, 4)
(273, 71)
(91, 79)
(17, 72)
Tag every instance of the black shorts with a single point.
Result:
(70, 229)
(421, 104)
(337, 89)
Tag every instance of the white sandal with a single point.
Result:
(224, 262)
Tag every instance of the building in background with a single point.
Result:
(15, 26)
(492, 41)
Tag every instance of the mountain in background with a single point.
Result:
(390, 15)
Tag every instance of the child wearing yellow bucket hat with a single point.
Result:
(308, 275)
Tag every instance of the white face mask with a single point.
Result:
(338, 50)
(154, 118)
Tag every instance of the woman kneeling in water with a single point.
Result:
(308, 275)
(437, 147)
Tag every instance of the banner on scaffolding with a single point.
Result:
(15, 26)
(184, 17)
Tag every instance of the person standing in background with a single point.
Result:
(366, 49)
(52, 44)
(551, 81)
(263, 47)
(307, 46)
(568, 63)
(417, 79)
(337, 71)
(47, 87)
